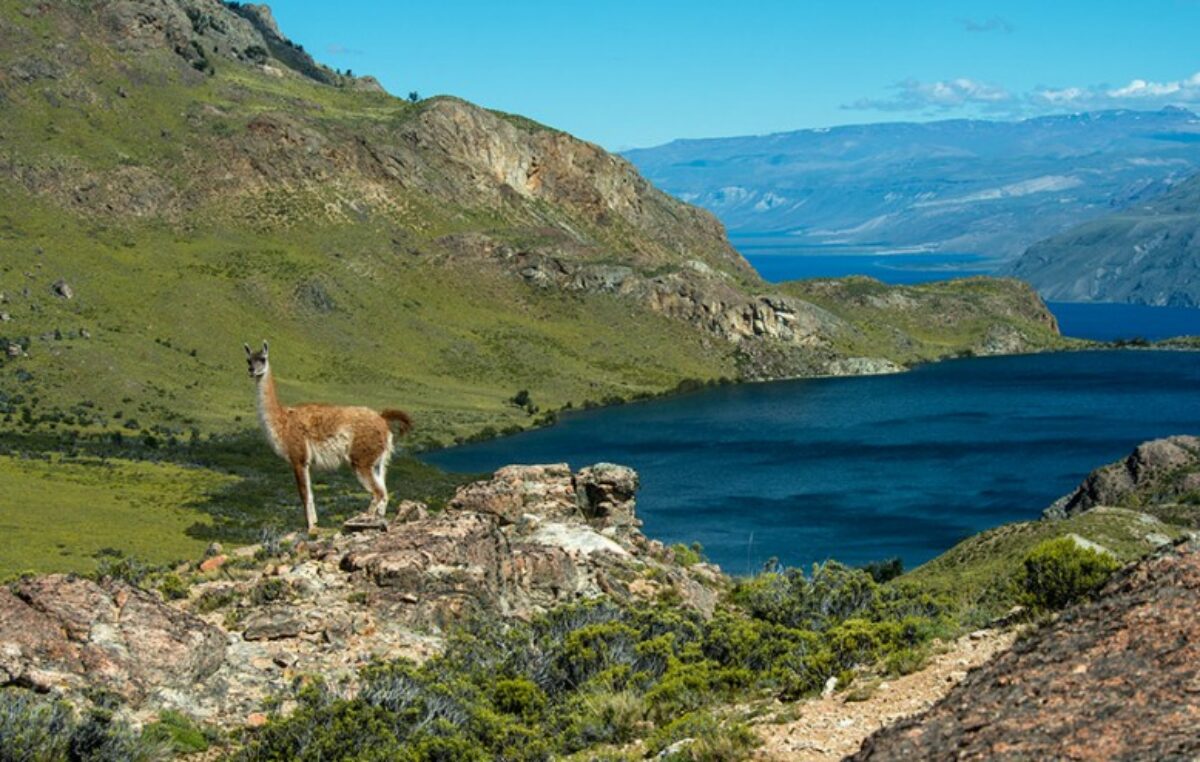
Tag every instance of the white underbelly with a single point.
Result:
(332, 452)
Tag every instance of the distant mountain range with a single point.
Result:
(985, 187)
(1148, 253)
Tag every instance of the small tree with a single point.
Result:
(413, 96)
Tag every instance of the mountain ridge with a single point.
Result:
(1144, 254)
(951, 185)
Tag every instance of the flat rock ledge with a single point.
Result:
(514, 545)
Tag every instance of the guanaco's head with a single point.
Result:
(257, 360)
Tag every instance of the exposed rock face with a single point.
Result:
(1158, 472)
(63, 633)
(529, 538)
(1113, 679)
(198, 29)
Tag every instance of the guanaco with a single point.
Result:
(327, 436)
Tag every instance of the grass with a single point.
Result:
(159, 505)
(57, 515)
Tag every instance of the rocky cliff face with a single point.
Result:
(529, 538)
(1113, 679)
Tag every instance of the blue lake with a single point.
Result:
(868, 468)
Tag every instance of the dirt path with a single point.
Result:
(831, 728)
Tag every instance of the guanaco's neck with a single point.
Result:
(270, 412)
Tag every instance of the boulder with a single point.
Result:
(63, 289)
(606, 494)
(273, 623)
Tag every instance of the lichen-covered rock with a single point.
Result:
(606, 494)
(517, 544)
(546, 491)
(64, 633)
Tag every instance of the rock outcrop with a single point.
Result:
(1157, 473)
(1114, 679)
(529, 538)
(65, 633)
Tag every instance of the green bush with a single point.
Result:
(1058, 572)
(599, 673)
(688, 555)
(172, 587)
(711, 739)
(178, 732)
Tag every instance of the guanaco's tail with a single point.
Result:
(402, 420)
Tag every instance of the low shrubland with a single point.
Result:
(598, 675)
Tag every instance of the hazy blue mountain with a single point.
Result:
(1148, 253)
(958, 185)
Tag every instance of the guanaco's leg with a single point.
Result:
(380, 475)
(366, 477)
(304, 485)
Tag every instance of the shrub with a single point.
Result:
(172, 587)
(177, 732)
(686, 556)
(33, 727)
(270, 590)
(834, 592)
(884, 571)
(1059, 572)
(115, 564)
(711, 740)
(519, 697)
(906, 661)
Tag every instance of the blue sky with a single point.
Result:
(624, 73)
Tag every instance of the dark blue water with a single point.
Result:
(867, 468)
(777, 259)
(1109, 322)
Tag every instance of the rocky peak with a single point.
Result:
(204, 31)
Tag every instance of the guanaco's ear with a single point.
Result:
(249, 351)
(264, 347)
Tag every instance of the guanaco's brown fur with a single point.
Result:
(326, 437)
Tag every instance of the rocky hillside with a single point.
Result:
(1147, 253)
(179, 177)
(1113, 679)
(527, 540)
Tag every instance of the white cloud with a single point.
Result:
(1138, 93)
(943, 95)
(968, 95)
